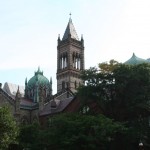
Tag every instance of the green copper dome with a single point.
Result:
(38, 79)
(134, 60)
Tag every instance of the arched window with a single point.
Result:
(63, 85)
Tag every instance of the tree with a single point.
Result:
(29, 136)
(8, 128)
(122, 93)
(78, 131)
(118, 88)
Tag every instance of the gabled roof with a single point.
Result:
(70, 30)
(28, 104)
(60, 101)
(60, 106)
(134, 60)
(9, 98)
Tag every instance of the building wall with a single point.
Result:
(21, 115)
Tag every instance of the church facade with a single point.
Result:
(35, 100)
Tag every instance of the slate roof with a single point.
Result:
(60, 106)
(28, 104)
(134, 60)
(9, 98)
(70, 30)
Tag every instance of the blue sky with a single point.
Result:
(112, 29)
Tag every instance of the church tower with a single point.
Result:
(70, 59)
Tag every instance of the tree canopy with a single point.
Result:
(8, 128)
(122, 93)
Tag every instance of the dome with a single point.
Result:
(39, 79)
(134, 60)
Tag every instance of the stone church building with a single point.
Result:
(35, 99)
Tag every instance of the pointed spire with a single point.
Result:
(81, 36)
(38, 68)
(26, 82)
(50, 80)
(18, 91)
(70, 31)
(18, 95)
(39, 71)
(58, 41)
(51, 85)
(58, 36)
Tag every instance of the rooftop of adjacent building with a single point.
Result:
(12, 88)
(134, 60)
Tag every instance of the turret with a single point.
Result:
(17, 101)
(82, 40)
(51, 92)
(58, 38)
(26, 88)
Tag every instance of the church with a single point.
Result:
(35, 100)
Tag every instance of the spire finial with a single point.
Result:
(18, 89)
(70, 15)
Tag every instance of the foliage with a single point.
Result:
(71, 132)
(8, 128)
(121, 89)
(77, 131)
(122, 93)
(29, 134)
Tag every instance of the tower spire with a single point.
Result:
(70, 31)
(70, 14)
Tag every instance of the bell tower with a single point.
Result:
(70, 59)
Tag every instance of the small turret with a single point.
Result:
(82, 40)
(51, 85)
(17, 101)
(26, 82)
(58, 38)
(26, 88)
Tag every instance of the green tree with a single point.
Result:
(8, 128)
(122, 93)
(77, 131)
(29, 136)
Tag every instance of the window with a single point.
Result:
(63, 84)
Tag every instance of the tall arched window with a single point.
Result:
(63, 85)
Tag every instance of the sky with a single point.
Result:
(112, 29)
